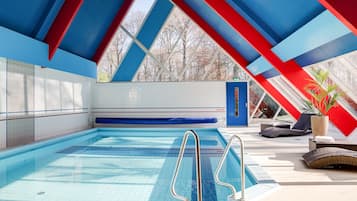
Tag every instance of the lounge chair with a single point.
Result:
(330, 157)
(301, 127)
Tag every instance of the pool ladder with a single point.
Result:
(198, 166)
(235, 195)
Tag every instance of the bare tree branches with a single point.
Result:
(181, 51)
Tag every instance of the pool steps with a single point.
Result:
(198, 166)
(234, 196)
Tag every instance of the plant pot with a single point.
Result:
(319, 125)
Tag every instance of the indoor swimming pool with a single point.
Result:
(116, 165)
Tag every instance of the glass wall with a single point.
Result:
(113, 56)
(288, 91)
(121, 41)
(59, 92)
(136, 15)
(343, 73)
(262, 106)
(182, 52)
(255, 97)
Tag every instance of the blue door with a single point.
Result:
(237, 102)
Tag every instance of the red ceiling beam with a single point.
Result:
(61, 24)
(290, 70)
(260, 79)
(344, 10)
(112, 30)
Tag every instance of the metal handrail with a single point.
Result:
(198, 167)
(234, 196)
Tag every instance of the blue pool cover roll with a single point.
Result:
(155, 120)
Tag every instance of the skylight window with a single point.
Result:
(342, 72)
(113, 56)
(136, 15)
(183, 52)
(121, 41)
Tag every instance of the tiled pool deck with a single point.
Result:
(281, 160)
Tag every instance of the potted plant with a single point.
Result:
(324, 97)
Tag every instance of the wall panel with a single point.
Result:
(2, 103)
(20, 131)
(164, 99)
(52, 126)
(2, 134)
(20, 107)
(159, 94)
(44, 103)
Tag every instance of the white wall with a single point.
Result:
(2, 103)
(51, 126)
(2, 134)
(165, 99)
(49, 103)
(159, 95)
(62, 102)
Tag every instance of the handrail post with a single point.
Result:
(234, 196)
(198, 166)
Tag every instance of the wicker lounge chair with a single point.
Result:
(330, 157)
(301, 127)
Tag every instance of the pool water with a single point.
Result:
(117, 165)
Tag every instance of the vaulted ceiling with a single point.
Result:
(86, 26)
(267, 38)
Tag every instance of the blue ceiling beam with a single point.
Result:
(255, 20)
(224, 29)
(343, 45)
(270, 73)
(19, 47)
(24, 17)
(259, 65)
(90, 26)
(48, 20)
(130, 64)
(154, 22)
(321, 30)
(150, 29)
(278, 18)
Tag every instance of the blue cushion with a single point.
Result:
(304, 122)
(155, 120)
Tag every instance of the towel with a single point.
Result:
(324, 139)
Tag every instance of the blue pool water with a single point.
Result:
(115, 165)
